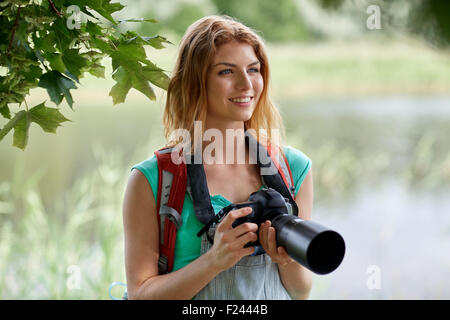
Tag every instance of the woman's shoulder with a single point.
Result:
(299, 163)
(149, 167)
(296, 156)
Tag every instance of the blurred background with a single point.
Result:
(364, 90)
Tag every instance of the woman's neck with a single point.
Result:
(224, 143)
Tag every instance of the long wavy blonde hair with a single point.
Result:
(187, 91)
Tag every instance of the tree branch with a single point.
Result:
(54, 8)
(13, 32)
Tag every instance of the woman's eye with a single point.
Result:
(226, 71)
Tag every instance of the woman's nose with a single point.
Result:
(243, 82)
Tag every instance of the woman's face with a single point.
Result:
(234, 83)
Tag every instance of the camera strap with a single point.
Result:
(280, 179)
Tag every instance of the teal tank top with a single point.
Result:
(188, 245)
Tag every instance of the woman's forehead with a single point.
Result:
(234, 52)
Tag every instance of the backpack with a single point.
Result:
(175, 179)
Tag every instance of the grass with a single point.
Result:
(39, 246)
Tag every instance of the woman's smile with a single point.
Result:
(242, 101)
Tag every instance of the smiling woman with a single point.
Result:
(220, 80)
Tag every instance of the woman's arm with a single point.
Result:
(142, 248)
(295, 278)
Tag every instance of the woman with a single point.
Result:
(221, 81)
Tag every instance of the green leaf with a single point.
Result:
(56, 62)
(93, 29)
(156, 76)
(124, 83)
(48, 118)
(156, 41)
(11, 124)
(44, 41)
(33, 73)
(127, 79)
(97, 70)
(100, 44)
(73, 61)
(105, 8)
(57, 86)
(112, 7)
(4, 111)
(128, 55)
(141, 84)
(140, 20)
(20, 137)
(63, 36)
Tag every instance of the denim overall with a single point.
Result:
(251, 278)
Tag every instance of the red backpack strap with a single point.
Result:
(171, 190)
(283, 168)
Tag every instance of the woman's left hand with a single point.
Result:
(267, 239)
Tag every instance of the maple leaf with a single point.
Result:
(58, 86)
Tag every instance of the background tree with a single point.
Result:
(52, 44)
(428, 19)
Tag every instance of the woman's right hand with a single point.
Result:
(229, 242)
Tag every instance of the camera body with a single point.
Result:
(311, 244)
(266, 204)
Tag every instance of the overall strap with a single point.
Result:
(171, 190)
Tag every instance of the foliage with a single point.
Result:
(52, 44)
(180, 17)
(428, 19)
(277, 20)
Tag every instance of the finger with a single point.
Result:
(247, 251)
(246, 238)
(232, 216)
(244, 228)
(263, 235)
(272, 243)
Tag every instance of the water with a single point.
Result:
(405, 236)
(404, 107)
(395, 221)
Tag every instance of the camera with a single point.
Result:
(311, 244)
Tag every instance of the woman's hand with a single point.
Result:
(229, 242)
(268, 241)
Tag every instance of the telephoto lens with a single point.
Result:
(311, 244)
